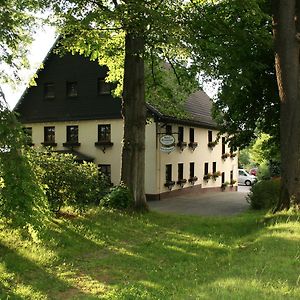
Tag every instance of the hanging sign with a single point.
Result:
(168, 143)
(167, 140)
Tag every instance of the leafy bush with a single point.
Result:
(22, 199)
(119, 197)
(67, 182)
(264, 171)
(264, 194)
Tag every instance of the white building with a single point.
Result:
(71, 109)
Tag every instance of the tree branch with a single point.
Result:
(152, 68)
(158, 4)
(101, 5)
(174, 70)
(115, 2)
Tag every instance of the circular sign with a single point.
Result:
(167, 140)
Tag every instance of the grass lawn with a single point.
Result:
(111, 255)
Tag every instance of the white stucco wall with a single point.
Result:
(155, 161)
(199, 156)
(87, 136)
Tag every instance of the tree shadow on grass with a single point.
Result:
(33, 279)
(154, 256)
(183, 254)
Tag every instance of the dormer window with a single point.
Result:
(49, 92)
(103, 87)
(72, 89)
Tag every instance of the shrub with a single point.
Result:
(264, 194)
(264, 172)
(66, 182)
(22, 199)
(119, 197)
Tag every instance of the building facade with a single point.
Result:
(72, 110)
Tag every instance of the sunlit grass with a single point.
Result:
(112, 255)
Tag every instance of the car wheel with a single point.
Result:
(248, 182)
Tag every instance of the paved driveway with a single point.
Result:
(208, 204)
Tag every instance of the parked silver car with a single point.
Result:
(246, 178)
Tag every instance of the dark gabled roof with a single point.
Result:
(198, 106)
(89, 105)
(32, 107)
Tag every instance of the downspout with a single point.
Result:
(158, 159)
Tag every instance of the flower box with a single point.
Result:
(193, 145)
(181, 182)
(193, 179)
(169, 184)
(211, 145)
(181, 145)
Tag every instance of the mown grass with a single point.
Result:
(111, 255)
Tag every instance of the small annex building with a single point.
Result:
(72, 110)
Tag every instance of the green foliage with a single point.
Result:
(22, 198)
(264, 194)
(264, 149)
(99, 33)
(233, 44)
(264, 171)
(167, 89)
(244, 158)
(119, 197)
(66, 182)
(18, 22)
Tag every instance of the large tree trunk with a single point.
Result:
(287, 71)
(134, 114)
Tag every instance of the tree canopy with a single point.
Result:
(123, 35)
(18, 21)
(233, 43)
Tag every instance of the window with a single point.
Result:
(168, 173)
(214, 169)
(209, 136)
(223, 145)
(242, 173)
(72, 89)
(192, 170)
(103, 87)
(169, 129)
(49, 134)
(206, 168)
(104, 133)
(49, 92)
(180, 171)
(106, 170)
(192, 135)
(223, 177)
(180, 134)
(231, 176)
(72, 134)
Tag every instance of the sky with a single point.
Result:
(43, 41)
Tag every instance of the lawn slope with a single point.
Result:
(111, 255)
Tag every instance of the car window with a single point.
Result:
(242, 173)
